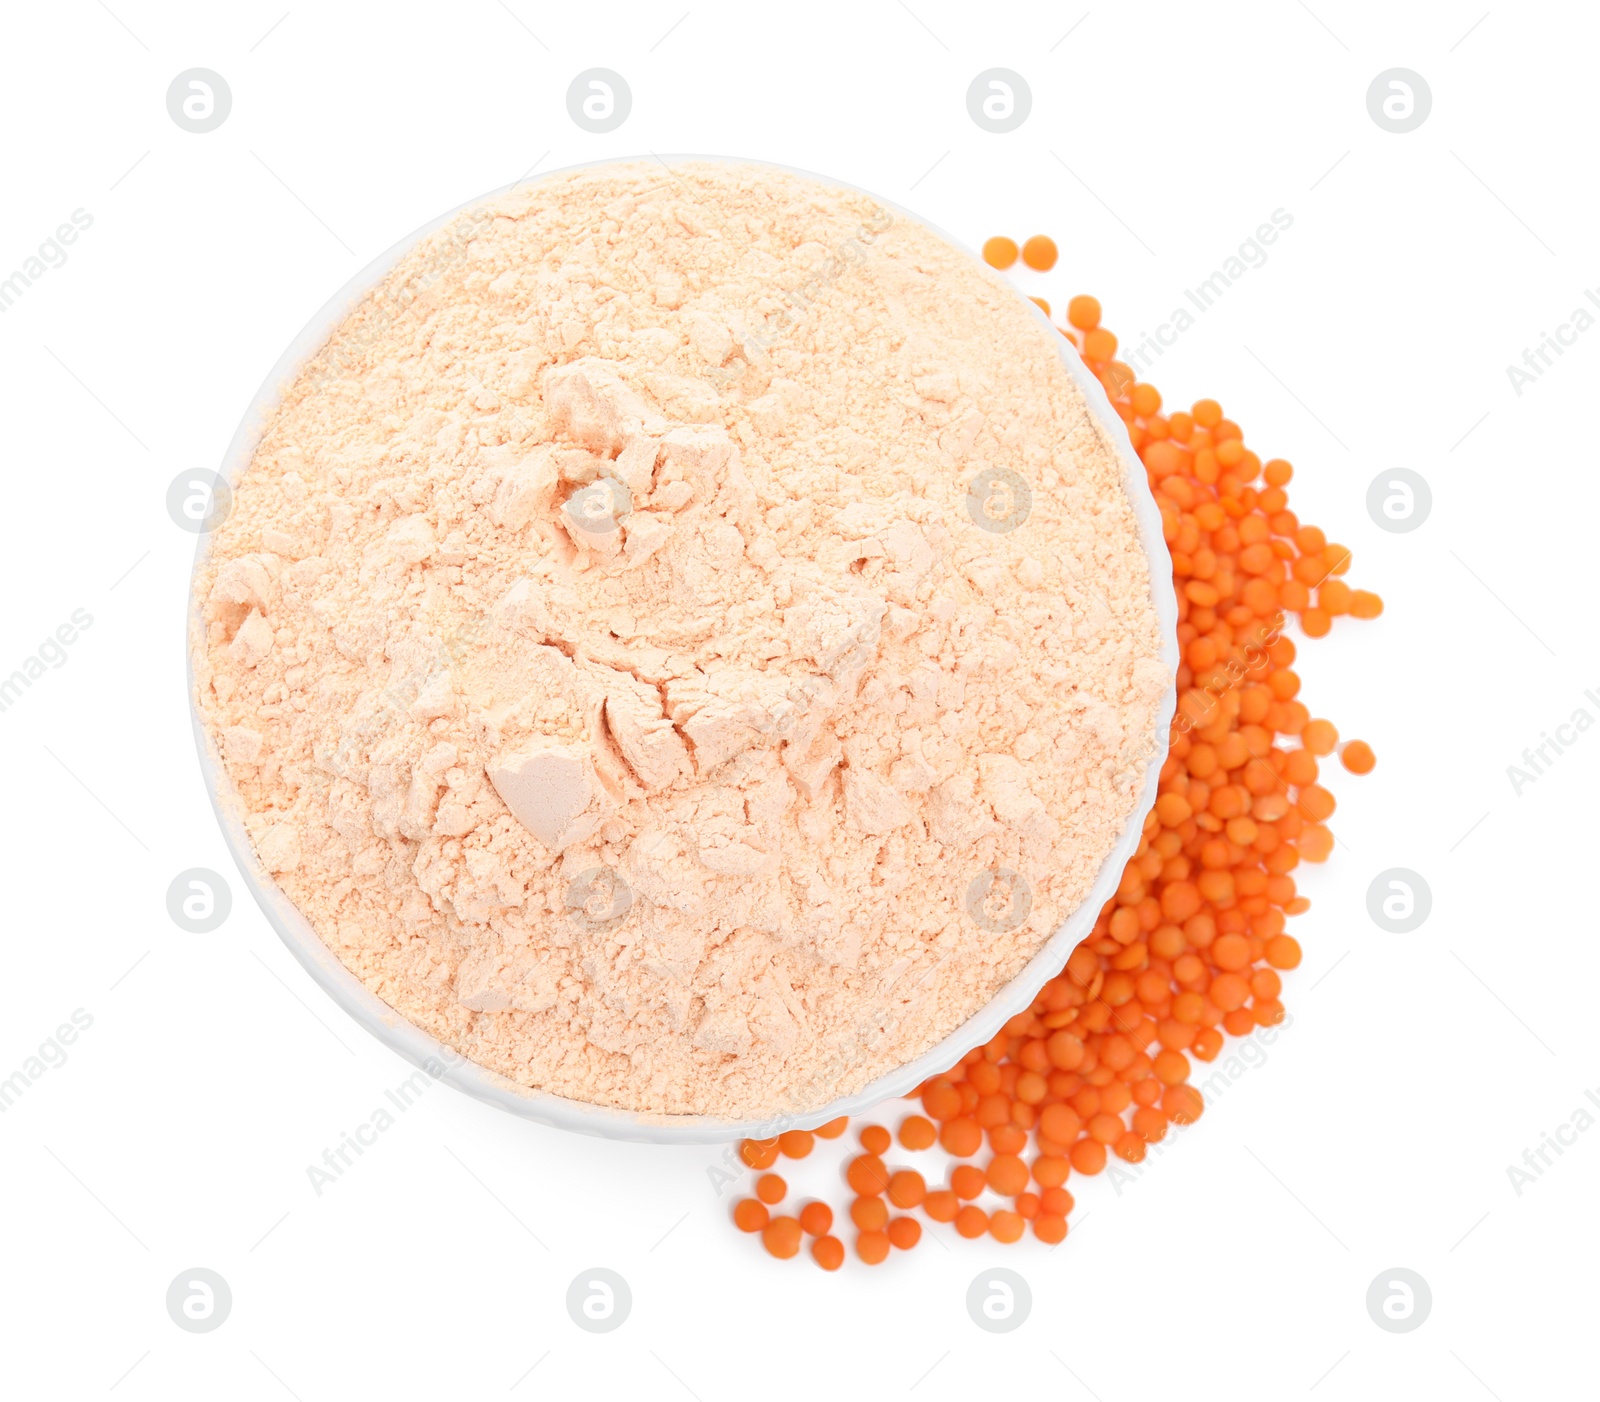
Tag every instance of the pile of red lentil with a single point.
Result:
(1191, 946)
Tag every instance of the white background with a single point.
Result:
(1378, 1131)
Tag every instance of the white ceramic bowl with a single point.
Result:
(448, 1065)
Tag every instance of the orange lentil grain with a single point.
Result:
(1315, 843)
(1319, 737)
(1283, 952)
(758, 1153)
(869, 1214)
(1104, 1128)
(795, 1143)
(1039, 253)
(1099, 344)
(1009, 1138)
(904, 1232)
(1007, 1226)
(866, 1175)
(967, 1180)
(816, 1219)
(781, 1237)
(972, 1221)
(873, 1247)
(1172, 1068)
(1049, 1228)
(961, 1137)
(1088, 1156)
(907, 1188)
(1130, 1146)
(1000, 252)
(1007, 1175)
(875, 1139)
(1057, 1201)
(1182, 1104)
(942, 1102)
(828, 1252)
(750, 1215)
(1051, 1170)
(1083, 312)
(1357, 757)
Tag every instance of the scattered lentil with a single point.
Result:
(1039, 253)
(782, 1237)
(816, 1219)
(1191, 944)
(1000, 252)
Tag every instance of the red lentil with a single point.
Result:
(1190, 946)
(1039, 252)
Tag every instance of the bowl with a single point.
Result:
(447, 1065)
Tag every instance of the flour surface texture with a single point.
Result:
(683, 642)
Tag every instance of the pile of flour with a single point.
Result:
(654, 618)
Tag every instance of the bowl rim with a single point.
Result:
(444, 1063)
